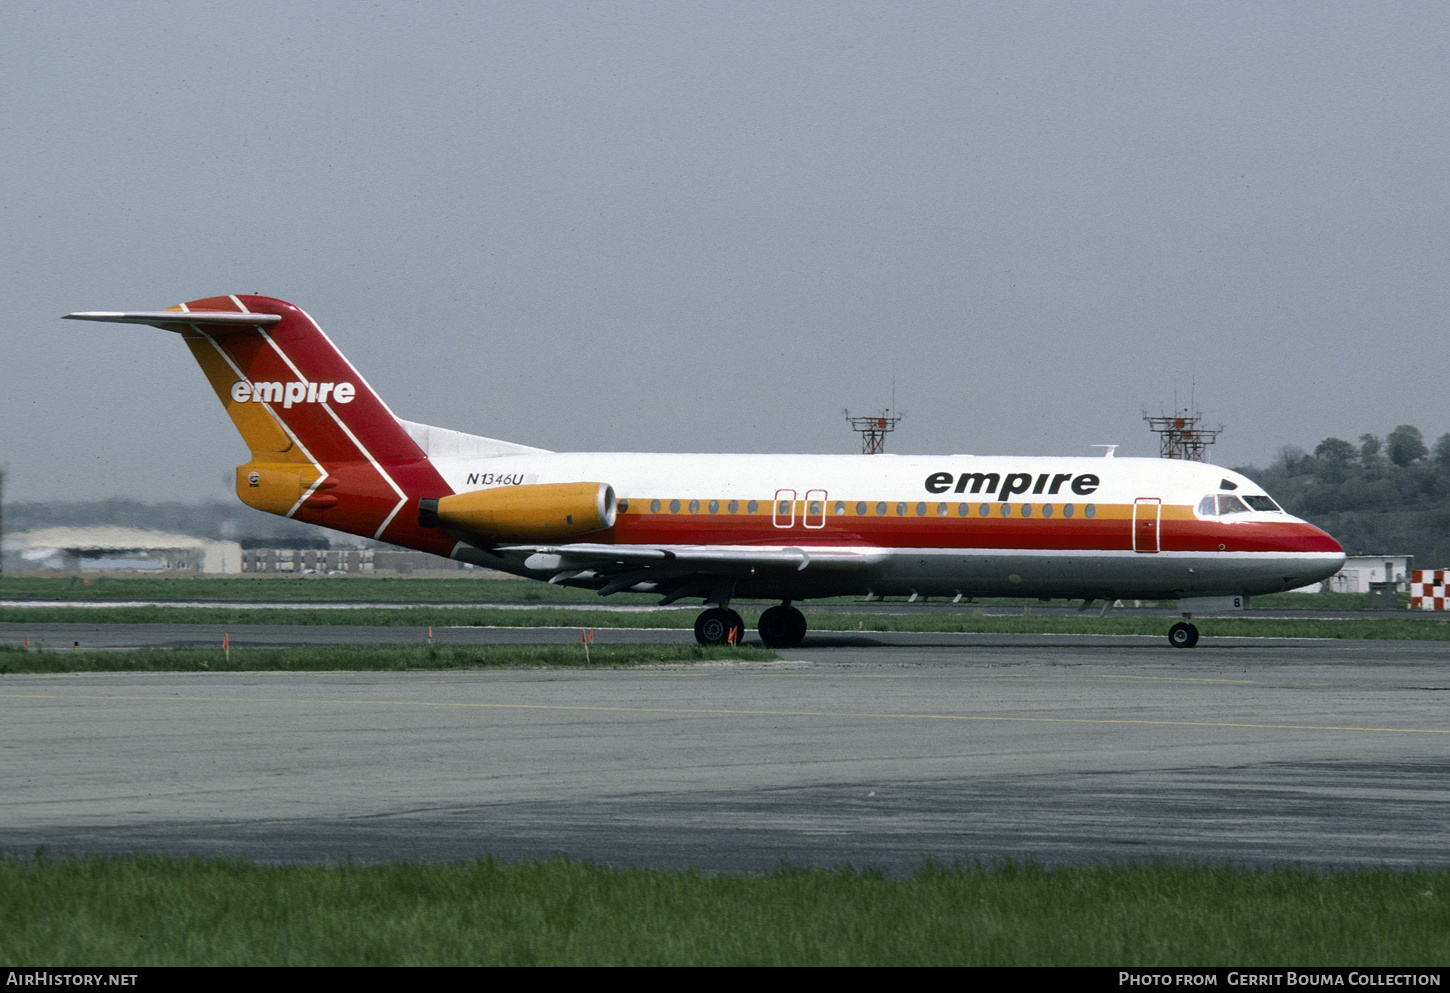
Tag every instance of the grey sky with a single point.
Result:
(710, 227)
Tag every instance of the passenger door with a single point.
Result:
(1147, 512)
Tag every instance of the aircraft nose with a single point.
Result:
(1313, 554)
(1324, 541)
(1295, 535)
(1316, 539)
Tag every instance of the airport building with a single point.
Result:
(110, 548)
(1361, 570)
(72, 550)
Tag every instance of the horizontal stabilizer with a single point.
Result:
(158, 318)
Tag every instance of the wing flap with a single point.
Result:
(674, 560)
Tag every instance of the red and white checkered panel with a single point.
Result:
(1428, 589)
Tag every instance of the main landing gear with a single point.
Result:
(719, 626)
(780, 627)
(1183, 635)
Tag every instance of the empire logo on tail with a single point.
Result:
(294, 392)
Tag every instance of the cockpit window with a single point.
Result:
(1230, 504)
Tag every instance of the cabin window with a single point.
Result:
(694, 506)
(654, 506)
(1047, 510)
(752, 506)
(901, 510)
(623, 506)
(861, 509)
(963, 510)
(881, 510)
(1006, 510)
(921, 510)
(941, 510)
(674, 506)
(840, 509)
(1090, 511)
(733, 506)
(714, 506)
(1067, 510)
(984, 510)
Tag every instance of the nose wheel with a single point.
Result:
(782, 627)
(1183, 635)
(718, 626)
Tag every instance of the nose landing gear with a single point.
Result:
(1183, 635)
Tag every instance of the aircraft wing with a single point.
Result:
(685, 570)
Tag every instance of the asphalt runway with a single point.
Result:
(863, 750)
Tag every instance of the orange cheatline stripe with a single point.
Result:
(1108, 530)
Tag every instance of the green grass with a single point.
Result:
(1408, 628)
(363, 616)
(370, 658)
(1318, 601)
(159, 911)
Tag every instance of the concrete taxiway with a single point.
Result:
(859, 749)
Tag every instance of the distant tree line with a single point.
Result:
(1379, 496)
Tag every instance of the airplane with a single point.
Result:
(325, 449)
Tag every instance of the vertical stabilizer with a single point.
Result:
(325, 448)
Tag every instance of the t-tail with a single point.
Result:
(325, 449)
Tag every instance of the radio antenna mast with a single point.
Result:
(874, 429)
(1181, 435)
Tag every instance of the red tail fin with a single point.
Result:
(325, 448)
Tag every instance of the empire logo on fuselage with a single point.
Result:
(294, 392)
(1047, 483)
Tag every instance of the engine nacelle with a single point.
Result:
(537, 512)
